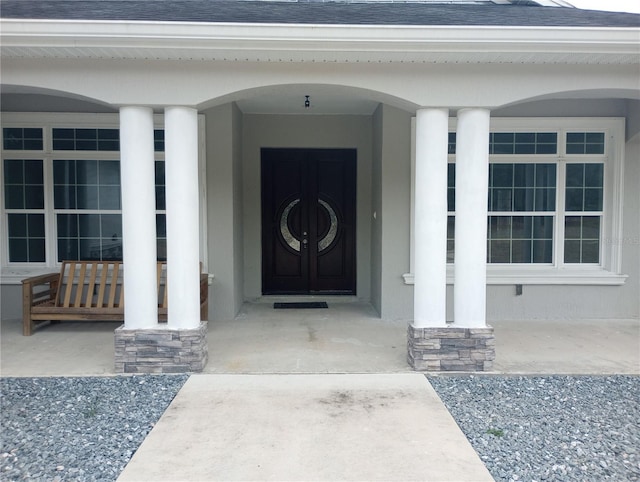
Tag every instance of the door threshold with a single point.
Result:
(306, 298)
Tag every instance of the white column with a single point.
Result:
(472, 175)
(183, 262)
(430, 270)
(138, 217)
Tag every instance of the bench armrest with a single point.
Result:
(29, 295)
(41, 279)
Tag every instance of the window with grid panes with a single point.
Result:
(78, 193)
(523, 203)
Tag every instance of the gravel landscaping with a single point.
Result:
(552, 428)
(63, 429)
(543, 428)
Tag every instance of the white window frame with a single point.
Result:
(609, 270)
(14, 272)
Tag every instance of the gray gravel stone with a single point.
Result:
(552, 428)
(67, 429)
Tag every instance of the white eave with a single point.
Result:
(317, 43)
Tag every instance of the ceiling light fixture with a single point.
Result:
(307, 103)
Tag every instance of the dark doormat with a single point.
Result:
(300, 305)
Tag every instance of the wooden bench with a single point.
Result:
(88, 290)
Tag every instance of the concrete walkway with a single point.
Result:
(306, 427)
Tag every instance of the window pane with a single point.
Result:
(67, 225)
(13, 172)
(18, 250)
(572, 227)
(572, 251)
(501, 200)
(542, 251)
(64, 172)
(89, 236)
(593, 175)
(89, 225)
(524, 175)
(86, 139)
(17, 225)
(26, 238)
(582, 239)
(67, 249)
(521, 251)
(64, 197)
(593, 199)
(500, 252)
(87, 172)
(585, 143)
(110, 197)
(17, 138)
(14, 197)
(111, 226)
(87, 197)
(521, 227)
(451, 225)
(33, 172)
(23, 184)
(574, 199)
(501, 175)
(158, 140)
(545, 175)
(36, 250)
(590, 251)
(543, 227)
(545, 199)
(109, 172)
(591, 227)
(584, 187)
(499, 227)
(523, 199)
(575, 175)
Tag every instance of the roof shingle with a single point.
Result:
(337, 13)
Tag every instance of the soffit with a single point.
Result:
(318, 43)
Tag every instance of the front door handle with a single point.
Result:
(305, 243)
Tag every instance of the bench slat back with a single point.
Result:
(98, 284)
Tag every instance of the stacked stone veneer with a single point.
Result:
(161, 350)
(451, 349)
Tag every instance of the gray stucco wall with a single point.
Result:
(397, 297)
(376, 212)
(304, 131)
(224, 209)
(10, 302)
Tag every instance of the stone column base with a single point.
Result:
(161, 350)
(451, 349)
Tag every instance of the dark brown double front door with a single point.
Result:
(308, 221)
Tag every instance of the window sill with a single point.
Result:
(542, 276)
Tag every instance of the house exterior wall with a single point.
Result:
(408, 85)
(394, 215)
(224, 210)
(376, 207)
(313, 132)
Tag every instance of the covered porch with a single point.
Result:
(348, 337)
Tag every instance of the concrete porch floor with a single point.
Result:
(345, 338)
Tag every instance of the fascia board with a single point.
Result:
(317, 38)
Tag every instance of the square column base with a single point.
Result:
(451, 349)
(161, 350)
